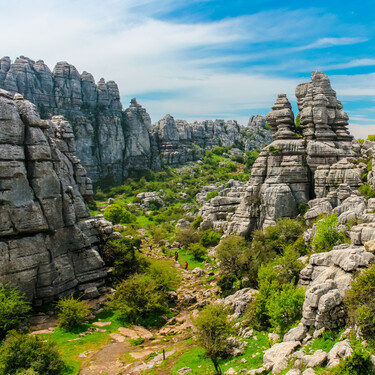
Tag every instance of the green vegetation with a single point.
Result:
(142, 298)
(118, 214)
(359, 363)
(360, 303)
(26, 354)
(72, 312)
(326, 234)
(13, 309)
(211, 195)
(214, 328)
(197, 250)
(371, 137)
(366, 190)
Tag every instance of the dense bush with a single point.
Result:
(187, 236)
(24, 354)
(279, 302)
(118, 214)
(232, 255)
(13, 309)
(138, 297)
(212, 194)
(251, 156)
(71, 312)
(209, 237)
(197, 250)
(123, 255)
(197, 222)
(326, 234)
(219, 150)
(366, 190)
(359, 363)
(285, 308)
(360, 303)
(225, 283)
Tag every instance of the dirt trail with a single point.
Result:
(120, 357)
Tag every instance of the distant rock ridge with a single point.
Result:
(302, 163)
(109, 140)
(49, 244)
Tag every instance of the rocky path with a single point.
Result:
(121, 357)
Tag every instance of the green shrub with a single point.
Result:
(359, 363)
(187, 236)
(219, 150)
(209, 237)
(360, 303)
(165, 276)
(326, 234)
(123, 255)
(118, 214)
(24, 354)
(226, 282)
(13, 309)
(154, 205)
(361, 141)
(214, 328)
(72, 312)
(212, 194)
(251, 156)
(197, 222)
(285, 307)
(231, 253)
(197, 251)
(366, 191)
(138, 297)
(371, 137)
(238, 159)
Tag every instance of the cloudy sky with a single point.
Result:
(205, 59)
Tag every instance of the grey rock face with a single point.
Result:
(302, 163)
(110, 141)
(49, 245)
(238, 301)
(328, 276)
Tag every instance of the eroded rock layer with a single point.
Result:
(109, 140)
(49, 244)
(305, 161)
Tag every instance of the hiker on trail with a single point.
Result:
(176, 256)
(186, 265)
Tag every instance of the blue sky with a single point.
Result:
(205, 59)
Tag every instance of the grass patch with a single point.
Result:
(183, 256)
(70, 350)
(200, 364)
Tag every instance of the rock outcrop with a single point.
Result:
(49, 244)
(305, 161)
(109, 140)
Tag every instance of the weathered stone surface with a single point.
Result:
(302, 163)
(239, 301)
(49, 244)
(296, 334)
(110, 141)
(328, 276)
(276, 358)
(339, 351)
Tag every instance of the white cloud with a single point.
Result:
(330, 42)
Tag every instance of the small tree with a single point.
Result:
(214, 328)
(360, 302)
(13, 309)
(197, 251)
(24, 354)
(72, 312)
(326, 234)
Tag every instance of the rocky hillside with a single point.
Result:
(109, 140)
(49, 244)
(302, 163)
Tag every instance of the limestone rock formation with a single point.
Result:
(110, 141)
(302, 163)
(49, 244)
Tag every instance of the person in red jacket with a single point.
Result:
(186, 265)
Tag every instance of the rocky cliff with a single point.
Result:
(109, 140)
(49, 244)
(306, 160)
